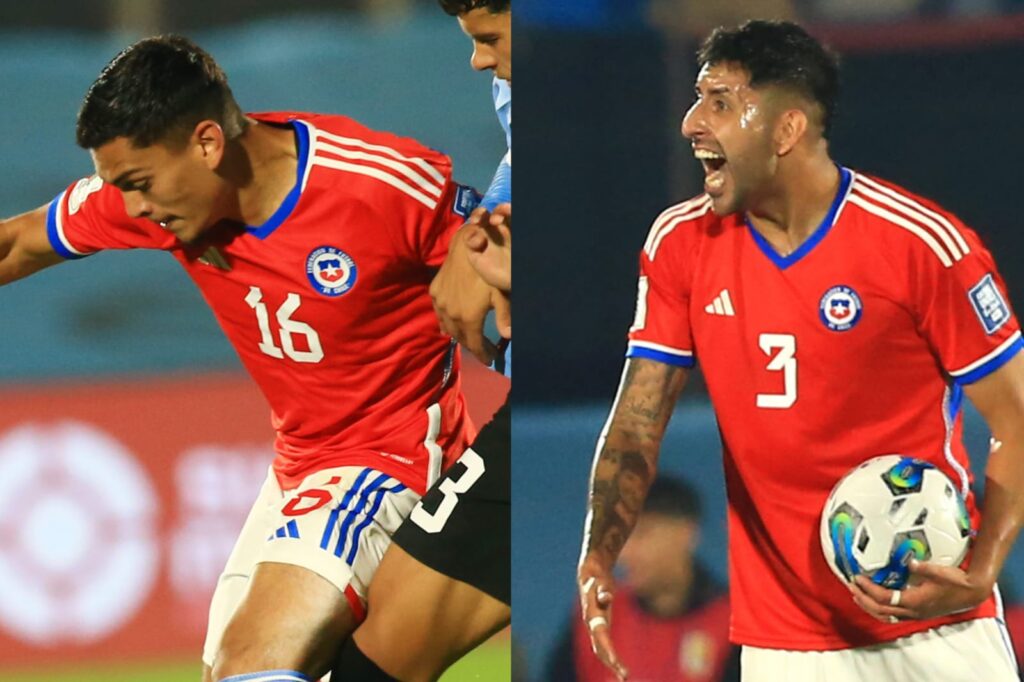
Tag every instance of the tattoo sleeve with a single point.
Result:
(627, 454)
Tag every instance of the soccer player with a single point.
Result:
(314, 240)
(836, 317)
(444, 585)
(461, 299)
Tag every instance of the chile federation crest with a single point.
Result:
(331, 271)
(840, 308)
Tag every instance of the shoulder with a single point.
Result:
(679, 226)
(336, 130)
(376, 165)
(904, 219)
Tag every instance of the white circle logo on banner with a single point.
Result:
(78, 541)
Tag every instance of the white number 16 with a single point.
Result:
(784, 361)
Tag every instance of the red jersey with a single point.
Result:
(693, 647)
(326, 303)
(855, 345)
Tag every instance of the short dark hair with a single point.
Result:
(456, 7)
(154, 89)
(779, 53)
(674, 497)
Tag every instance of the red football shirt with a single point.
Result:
(326, 303)
(692, 647)
(855, 345)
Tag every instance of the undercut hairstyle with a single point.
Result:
(157, 90)
(456, 7)
(779, 53)
(673, 497)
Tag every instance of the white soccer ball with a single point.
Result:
(889, 510)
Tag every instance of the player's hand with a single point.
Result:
(462, 299)
(938, 591)
(596, 587)
(490, 246)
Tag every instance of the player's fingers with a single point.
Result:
(476, 239)
(601, 640)
(504, 211)
(446, 323)
(484, 350)
(470, 335)
(876, 592)
(479, 215)
(869, 605)
(942, 574)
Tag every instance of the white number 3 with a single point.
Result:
(451, 489)
(288, 328)
(784, 361)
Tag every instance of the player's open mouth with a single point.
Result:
(714, 163)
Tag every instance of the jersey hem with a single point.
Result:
(289, 480)
(825, 643)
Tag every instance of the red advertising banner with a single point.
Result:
(119, 504)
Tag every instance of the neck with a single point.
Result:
(797, 204)
(673, 598)
(261, 165)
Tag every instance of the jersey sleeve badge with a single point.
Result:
(989, 304)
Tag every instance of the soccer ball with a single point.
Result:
(887, 511)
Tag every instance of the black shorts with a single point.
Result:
(462, 526)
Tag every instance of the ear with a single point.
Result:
(208, 141)
(790, 130)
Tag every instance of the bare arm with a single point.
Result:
(24, 246)
(624, 467)
(999, 398)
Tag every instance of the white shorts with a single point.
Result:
(971, 651)
(337, 523)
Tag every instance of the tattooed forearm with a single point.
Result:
(619, 489)
(627, 454)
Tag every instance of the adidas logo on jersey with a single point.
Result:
(722, 305)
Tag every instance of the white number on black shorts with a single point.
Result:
(451, 488)
(785, 362)
(288, 328)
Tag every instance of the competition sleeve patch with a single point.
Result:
(989, 304)
(466, 199)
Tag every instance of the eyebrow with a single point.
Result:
(120, 179)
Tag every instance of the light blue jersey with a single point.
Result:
(500, 189)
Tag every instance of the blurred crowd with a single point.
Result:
(695, 17)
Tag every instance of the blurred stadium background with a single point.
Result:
(131, 443)
(931, 100)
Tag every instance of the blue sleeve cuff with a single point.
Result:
(661, 356)
(992, 364)
(53, 232)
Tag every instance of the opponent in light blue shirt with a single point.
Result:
(500, 190)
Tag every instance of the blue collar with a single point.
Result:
(288, 205)
(819, 233)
